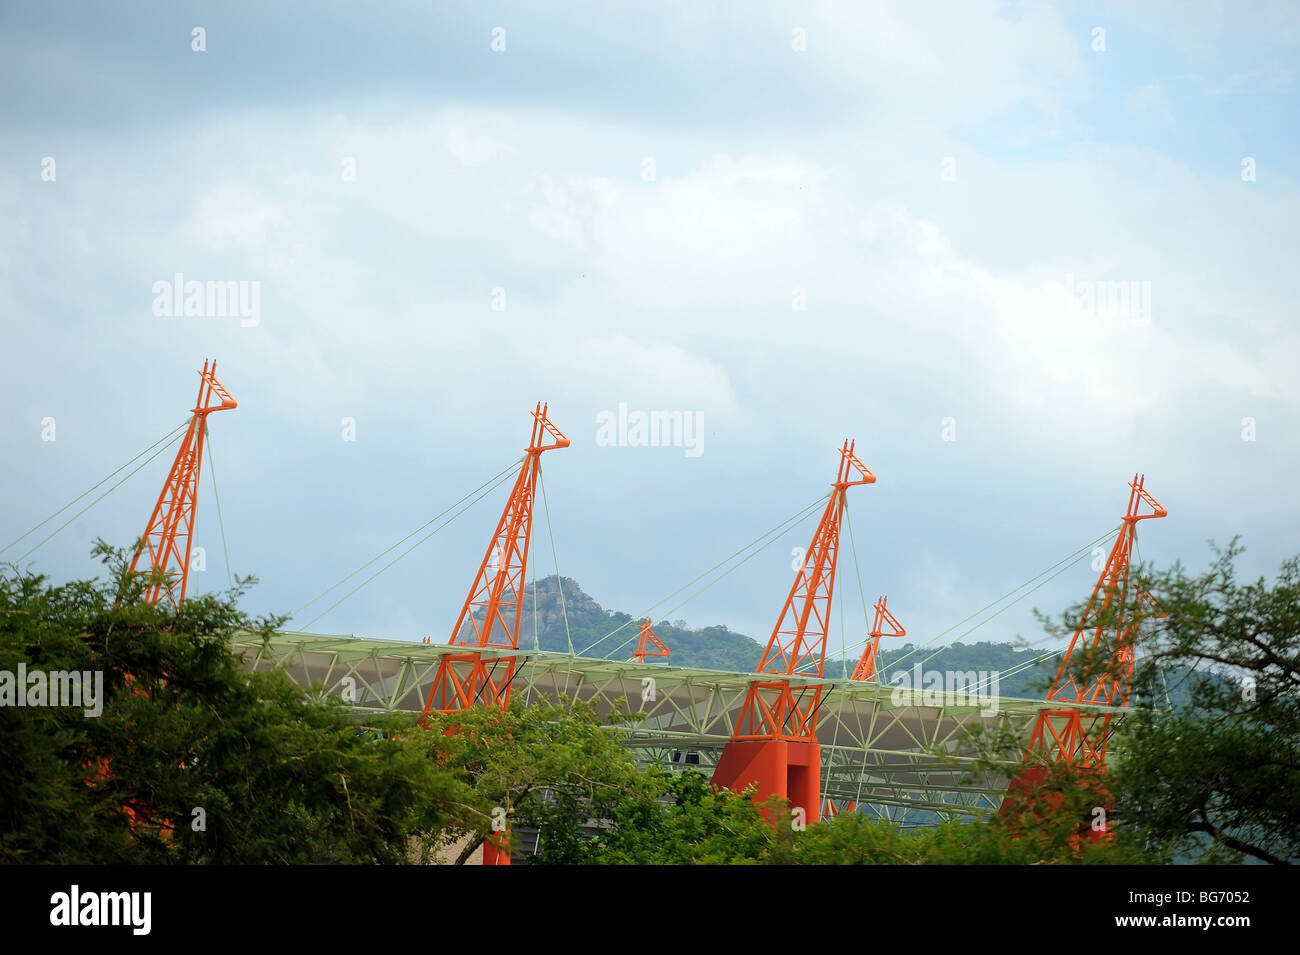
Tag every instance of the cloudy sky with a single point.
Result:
(906, 224)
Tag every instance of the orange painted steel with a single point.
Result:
(168, 537)
(772, 709)
(832, 807)
(496, 848)
(774, 743)
(491, 613)
(1073, 742)
(648, 636)
(1065, 735)
(170, 531)
(866, 668)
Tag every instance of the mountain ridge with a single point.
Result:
(596, 631)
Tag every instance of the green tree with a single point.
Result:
(560, 768)
(193, 758)
(1222, 769)
(856, 839)
(1206, 763)
(554, 766)
(683, 822)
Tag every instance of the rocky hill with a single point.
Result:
(589, 624)
(719, 648)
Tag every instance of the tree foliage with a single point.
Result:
(188, 734)
(1225, 766)
(193, 758)
(553, 766)
(1207, 764)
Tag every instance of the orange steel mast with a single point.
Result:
(866, 668)
(170, 531)
(464, 680)
(648, 636)
(495, 602)
(1065, 735)
(169, 534)
(774, 743)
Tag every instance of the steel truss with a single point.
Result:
(878, 742)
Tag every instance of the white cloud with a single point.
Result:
(1033, 58)
(655, 371)
(924, 298)
(471, 148)
(232, 215)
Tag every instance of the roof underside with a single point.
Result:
(897, 753)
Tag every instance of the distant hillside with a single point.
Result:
(719, 648)
(1030, 683)
(712, 648)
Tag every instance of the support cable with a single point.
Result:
(1046, 580)
(712, 583)
(862, 592)
(163, 440)
(777, 530)
(844, 650)
(559, 582)
(505, 476)
(537, 642)
(1064, 564)
(348, 577)
(221, 523)
(70, 520)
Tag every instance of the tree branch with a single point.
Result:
(1232, 842)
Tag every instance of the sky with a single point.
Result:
(905, 224)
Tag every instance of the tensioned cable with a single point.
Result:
(1013, 670)
(835, 740)
(399, 543)
(857, 568)
(426, 537)
(1037, 661)
(778, 529)
(221, 522)
(537, 632)
(1052, 656)
(1137, 545)
(1064, 564)
(143, 464)
(844, 649)
(1168, 702)
(537, 639)
(991, 617)
(1020, 667)
(862, 594)
(839, 712)
(798, 517)
(559, 584)
(715, 581)
(1007, 607)
(163, 440)
(559, 581)
(1028, 663)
